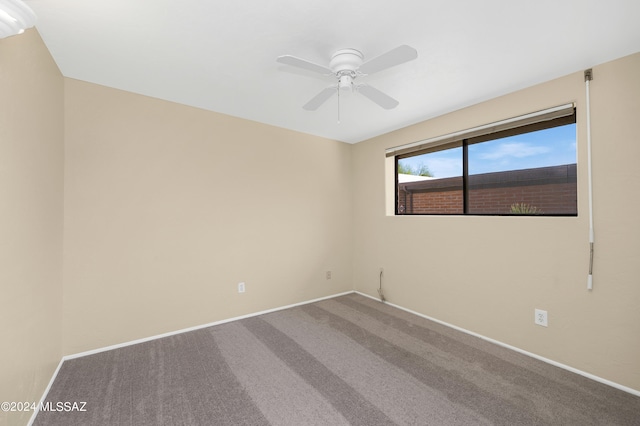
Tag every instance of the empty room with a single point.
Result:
(319, 213)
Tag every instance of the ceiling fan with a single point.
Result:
(346, 66)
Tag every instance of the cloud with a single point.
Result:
(513, 150)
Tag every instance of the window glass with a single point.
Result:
(525, 171)
(431, 183)
(529, 173)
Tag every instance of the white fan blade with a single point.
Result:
(320, 98)
(382, 99)
(397, 56)
(303, 63)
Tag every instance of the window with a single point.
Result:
(522, 166)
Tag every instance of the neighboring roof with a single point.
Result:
(403, 178)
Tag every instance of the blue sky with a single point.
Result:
(549, 147)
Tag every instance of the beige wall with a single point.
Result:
(168, 207)
(487, 274)
(31, 202)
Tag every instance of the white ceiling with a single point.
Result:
(221, 55)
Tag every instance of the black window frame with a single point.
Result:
(464, 143)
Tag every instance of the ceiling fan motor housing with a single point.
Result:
(346, 60)
(344, 63)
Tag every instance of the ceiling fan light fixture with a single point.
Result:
(345, 83)
(15, 17)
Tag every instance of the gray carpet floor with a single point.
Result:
(348, 360)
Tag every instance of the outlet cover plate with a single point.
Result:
(541, 318)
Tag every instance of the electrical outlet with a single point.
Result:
(328, 275)
(241, 288)
(541, 317)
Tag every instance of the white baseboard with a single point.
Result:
(184, 330)
(513, 348)
(197, 327)
(159, 336)
(45, 393)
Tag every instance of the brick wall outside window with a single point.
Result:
(552, 190)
